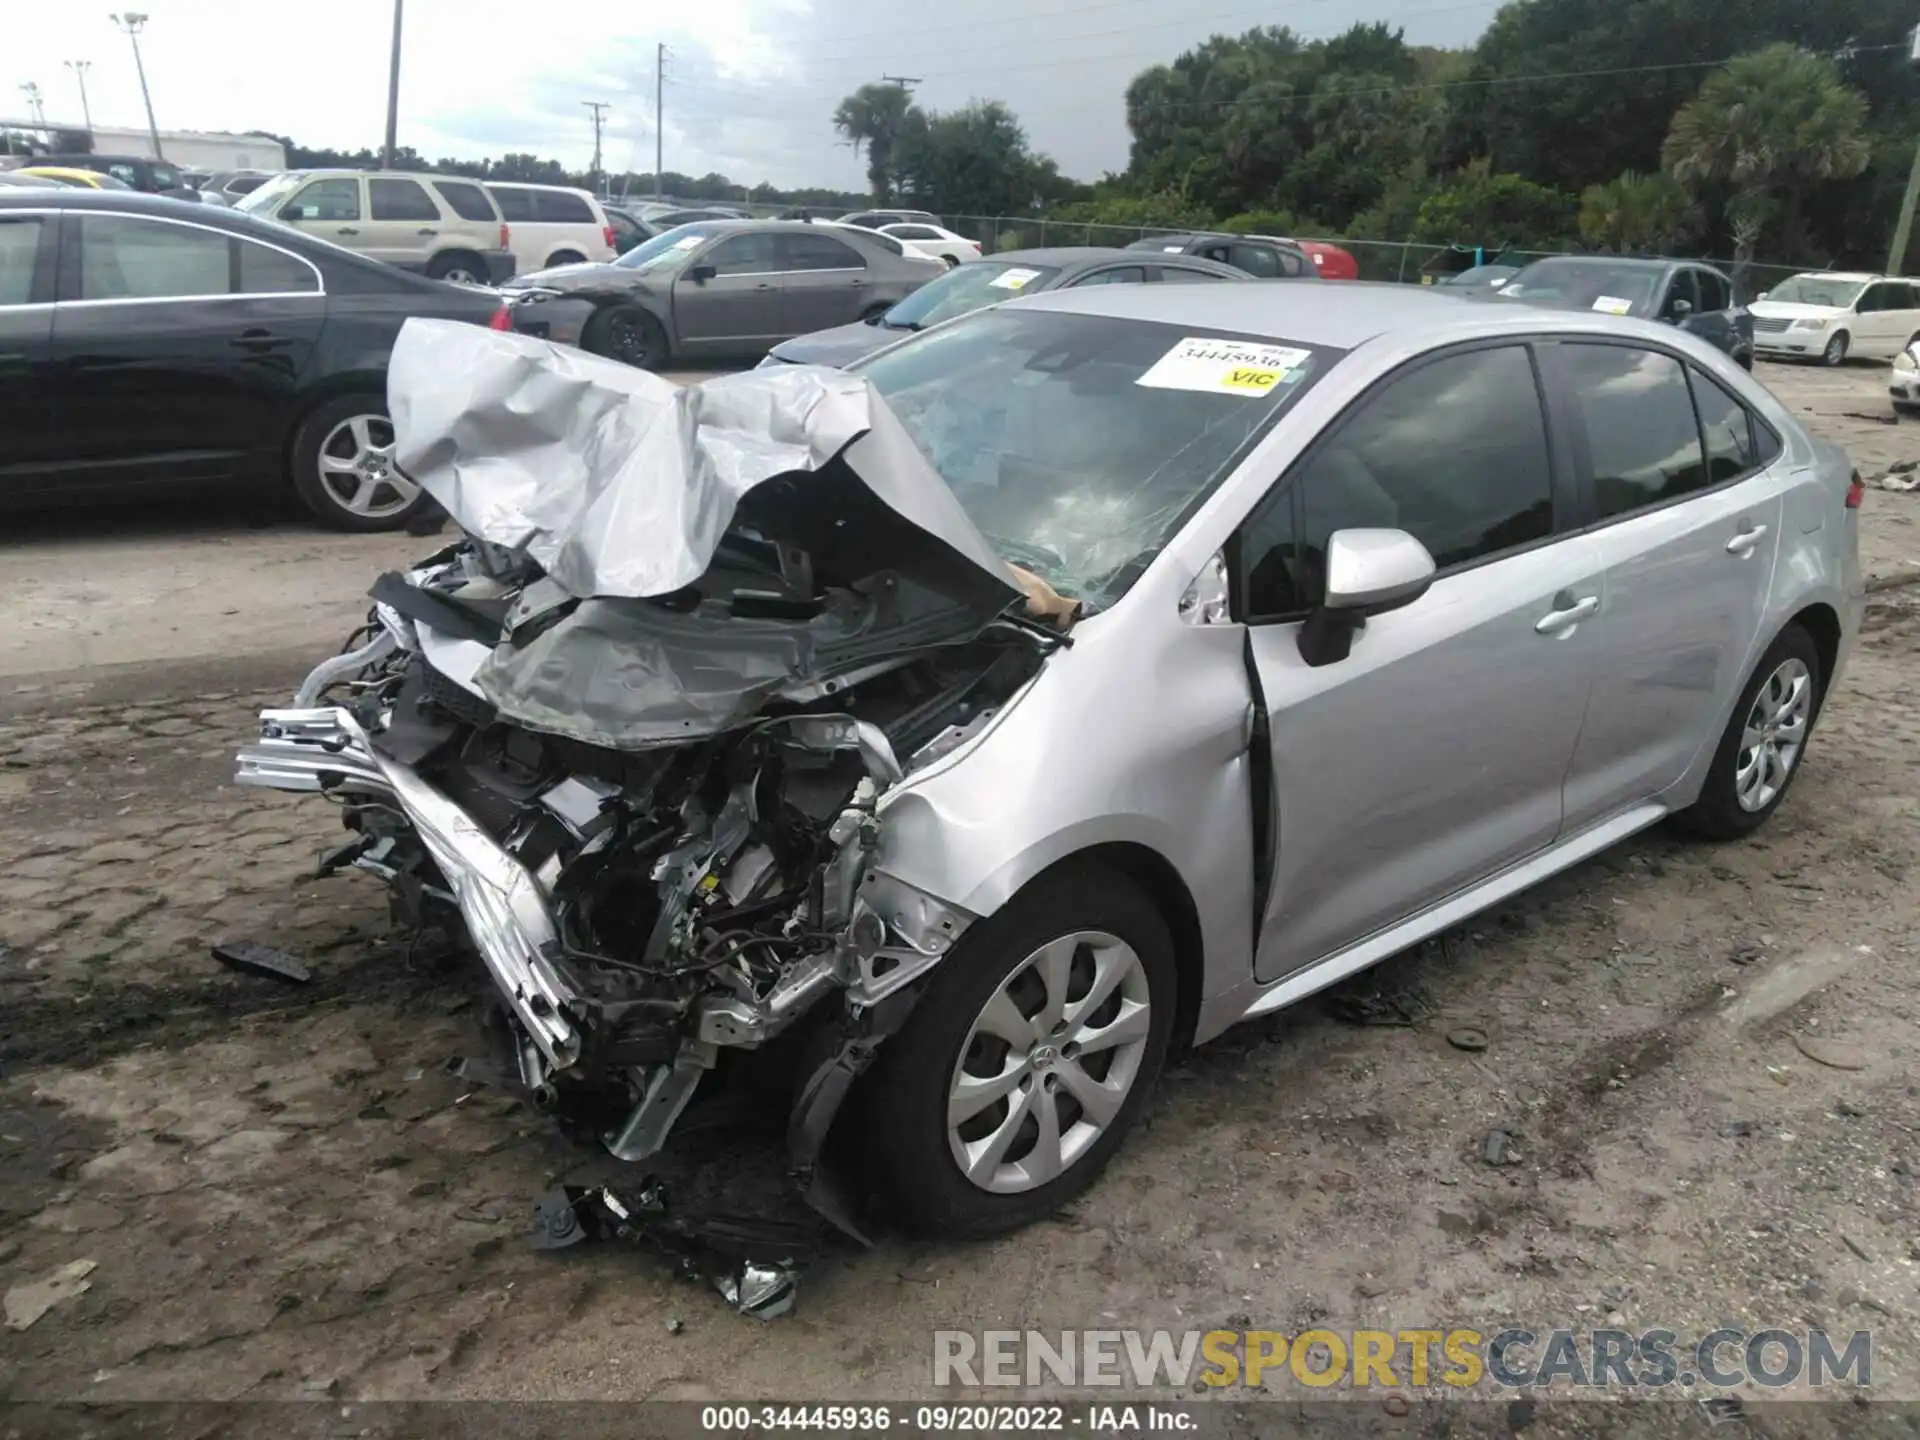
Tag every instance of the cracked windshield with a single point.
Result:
(960, 717)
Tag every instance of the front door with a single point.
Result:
(1687, 522)
(27, 435)
(735, 308)
(177, 348)
(1433, 755)
(827, 282)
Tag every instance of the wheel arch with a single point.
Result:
(359, 381)
(1157, 878)
(1822, 622)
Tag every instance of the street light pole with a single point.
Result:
(32, 92)
(132, 22)
(79, 69)
(393, 94)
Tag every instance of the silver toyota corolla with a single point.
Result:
(1062, 684)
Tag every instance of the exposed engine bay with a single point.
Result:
(655, 809)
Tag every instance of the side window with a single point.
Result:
(469, 202)
(1766, 443)
(1642, 440)
(326, 200)
(122, 258)
(165, 177)
(266, 271)
(556, 207)
(1172, 275)
(1873, 300)
(124, 173)
(818, 252)
(1454, 452)
(1259, 261)
(1714, 295)
(742, 255)
(400, 200)
(887, 243)
(1680, 287)
(19, 254)
(914, 232)
(1726, 428)
(1119, 275)
(1221, 253)
(515, 205)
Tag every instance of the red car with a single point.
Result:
(1330, 262)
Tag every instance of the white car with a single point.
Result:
(919, 238)
(1830, 316)
(554, 225)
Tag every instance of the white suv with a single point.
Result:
(442, 226)
(1831, 315)
(553, 225)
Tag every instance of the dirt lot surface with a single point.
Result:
(281, 1187)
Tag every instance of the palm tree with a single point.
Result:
(1761, 133)
(1634, 213)
(874, 116)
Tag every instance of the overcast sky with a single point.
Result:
(751, 84)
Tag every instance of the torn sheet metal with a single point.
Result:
(621, 484)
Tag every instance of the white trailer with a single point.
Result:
(195, 149)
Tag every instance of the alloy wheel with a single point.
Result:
(357, 470)
(1048, 1062)
(1775, 735)
(628, 340)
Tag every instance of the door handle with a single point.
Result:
(426, 232)
(346, 230)
(765, 286)
(258, 341)
(1748, 537)
(1566, 613)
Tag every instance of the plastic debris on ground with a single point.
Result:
(262, 960)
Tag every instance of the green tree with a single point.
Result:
(1480, 206)
(971, 161)
(1761, 136)
(875, 116)
(1633, 212)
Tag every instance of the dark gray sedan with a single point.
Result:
(988, 281)
(718, 289)
(1685, 293)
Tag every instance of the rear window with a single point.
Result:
(469, 202)
(887, 242)
(391, 199)
(557, 207)
(514, 204)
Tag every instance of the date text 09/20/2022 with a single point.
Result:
(949, 1419)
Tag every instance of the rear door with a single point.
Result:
(1903, 316)
(826, 281)
(1880, 321)
(178, 348)
(570, 229)
(737, 307)
(28, 247)
(1686, 517)
(403, 225)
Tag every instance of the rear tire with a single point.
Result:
(458, 266)
(1835, 354)
(1765, 742)
(341, 467)
(565, 257)
(1075, 929)
(626, 333)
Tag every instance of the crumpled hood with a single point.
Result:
(839, 346)
(587, 275)
(621, 484)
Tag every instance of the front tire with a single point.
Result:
(342, 467)
(1835, 355)
(1031, 1055)
(626, 333)
(1764, 743)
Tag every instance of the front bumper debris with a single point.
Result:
(325, 750)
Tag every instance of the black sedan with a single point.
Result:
(146, 341)
(988, 281)
(1684, 293)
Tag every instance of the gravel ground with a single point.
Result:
(283, 1187)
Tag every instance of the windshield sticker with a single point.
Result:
(1172, 249)
(1015, 279)
(1224, 367)
(1613, 305)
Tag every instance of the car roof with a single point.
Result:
(1339, 316)
(1842, 275)
(136, 202)
(524, 185)
(1061, 255)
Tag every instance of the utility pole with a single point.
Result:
(597, 106)
(905, 82)
(79, 69)
(1897, 252)
(393, 94)
(133, 23)
(32, 92)
(659, 135)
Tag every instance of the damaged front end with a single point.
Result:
(630, 739)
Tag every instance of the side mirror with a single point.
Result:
(1369, 572)
(293, 212)
(1682, 309)
(1763, 295)
(701, 273)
